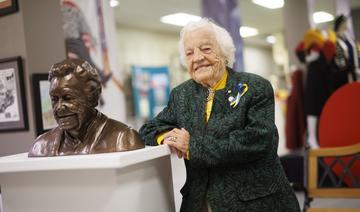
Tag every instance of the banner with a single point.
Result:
(90, 34)
(227, 15)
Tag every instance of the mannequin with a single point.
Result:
(332, 61)
(346, 57)
(319, 47)
(312, 140)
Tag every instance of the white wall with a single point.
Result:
(147, 48)
(259, 60)
(152, 48)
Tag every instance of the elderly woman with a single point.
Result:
(222, 123)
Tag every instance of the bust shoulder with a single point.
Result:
(45, 143)
(122, 136)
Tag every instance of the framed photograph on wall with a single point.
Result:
(42, 103)
(8, 6)
(13, 111)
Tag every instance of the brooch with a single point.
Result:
(242, 89)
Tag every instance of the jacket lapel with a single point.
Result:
(200, 100)
(221, 104)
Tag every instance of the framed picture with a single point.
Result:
(8, 6)
(13, 111)
(42, 102)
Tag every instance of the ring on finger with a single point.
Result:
(173, 138)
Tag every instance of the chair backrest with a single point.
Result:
(323, 182)
(333, 171)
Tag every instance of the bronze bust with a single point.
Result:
(75, 89)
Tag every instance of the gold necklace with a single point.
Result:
(210, 95)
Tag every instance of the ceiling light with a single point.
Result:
(114, 3)
(179, 19)
(271, 39)
(321, 17)
(248, 31)
(271, 4)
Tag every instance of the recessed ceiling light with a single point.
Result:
(248, 31)
(271, 4)
(114, 3)
(271, 39)
(179, 19)
(322, 17)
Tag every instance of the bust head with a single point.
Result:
(74, 90)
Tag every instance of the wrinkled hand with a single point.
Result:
(178, 141)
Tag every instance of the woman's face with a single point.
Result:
(204, 60)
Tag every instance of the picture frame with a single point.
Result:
(44, 117)
(8, 7)
(13, 109)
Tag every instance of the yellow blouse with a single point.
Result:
(218, 86)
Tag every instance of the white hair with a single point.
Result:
(222, 37)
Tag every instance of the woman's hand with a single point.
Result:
(178, 140)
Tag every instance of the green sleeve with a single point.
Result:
(253, 142)
(165, 120)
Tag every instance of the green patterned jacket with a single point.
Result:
(233, 157)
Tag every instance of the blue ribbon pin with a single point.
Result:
(242, 89)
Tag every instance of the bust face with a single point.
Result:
(70, 104)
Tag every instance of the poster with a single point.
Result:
(89, 31)
(151, 90)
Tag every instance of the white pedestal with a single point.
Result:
(134, 181)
